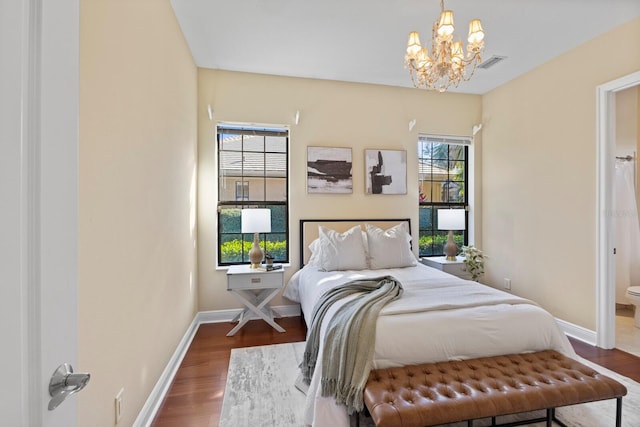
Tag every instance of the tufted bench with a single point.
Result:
(439, 393)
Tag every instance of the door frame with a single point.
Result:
(39, 116)
(605, 226)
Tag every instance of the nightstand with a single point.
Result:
(254, 289)
(452, 267)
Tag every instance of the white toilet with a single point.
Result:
(633, 295)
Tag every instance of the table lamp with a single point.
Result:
(256, 221)
(451, 219)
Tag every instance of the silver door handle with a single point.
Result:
(64, 383)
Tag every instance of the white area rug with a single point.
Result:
(260, 391)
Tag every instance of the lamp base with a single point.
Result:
(450, 249)
(256, 254)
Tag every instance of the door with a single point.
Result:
(39, 49)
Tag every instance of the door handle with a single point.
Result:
(64, 383)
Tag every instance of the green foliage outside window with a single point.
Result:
(434, 245)
(235, 246)
(233, 250)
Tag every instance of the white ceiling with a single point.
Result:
(364, 40)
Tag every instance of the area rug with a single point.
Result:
(261, 391)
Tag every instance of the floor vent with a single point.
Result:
(491, 61)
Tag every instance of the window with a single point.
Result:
(252, 172)
(242, 190)
(443, 183)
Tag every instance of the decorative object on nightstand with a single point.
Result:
(254, 288)
(268, 260)
(256, 221)
(473, 261)
(451, 219)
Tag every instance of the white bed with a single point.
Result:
(438, 317)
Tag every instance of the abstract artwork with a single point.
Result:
(386, 171)
(329, 170)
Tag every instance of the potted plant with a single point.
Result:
(473, 261)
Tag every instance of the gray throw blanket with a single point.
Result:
(349, 339)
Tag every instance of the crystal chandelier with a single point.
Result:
(445, 63)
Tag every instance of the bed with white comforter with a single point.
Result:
(438, 316)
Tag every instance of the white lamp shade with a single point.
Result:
(476, 34)
(451, 219)
(413, 45)
(256, 220)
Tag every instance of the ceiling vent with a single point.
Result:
(491, 61)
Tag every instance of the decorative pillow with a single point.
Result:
(316, 249)
(390, 248)
(338, 251)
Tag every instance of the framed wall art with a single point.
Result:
(329, 170)
(386, 171)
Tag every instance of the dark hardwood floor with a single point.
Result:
(195, 397)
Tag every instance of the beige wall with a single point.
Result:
(137, 278)
(539, 180)
(331, 114)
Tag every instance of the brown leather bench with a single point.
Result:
(439, 393)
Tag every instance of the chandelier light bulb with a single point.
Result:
(445, 26)
(413, 45)
(457, 54)
(476, 34)
(423, 60)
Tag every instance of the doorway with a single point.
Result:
(605, 242)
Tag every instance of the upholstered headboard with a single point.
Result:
(309, 230)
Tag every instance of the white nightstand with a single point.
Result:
(254, 289)
(452, 267)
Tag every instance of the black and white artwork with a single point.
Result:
(329, 170)
(386, 171)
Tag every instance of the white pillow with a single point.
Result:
(316, 249)
(390, 248)
(338, 251)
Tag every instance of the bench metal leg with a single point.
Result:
(555, 419)
(618, 412)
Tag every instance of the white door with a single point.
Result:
(39, 50)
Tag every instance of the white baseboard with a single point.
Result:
(151, 406)
(577, 332)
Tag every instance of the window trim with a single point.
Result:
(263, 130)
(466, 142)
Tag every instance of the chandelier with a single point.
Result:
(445, 63)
